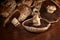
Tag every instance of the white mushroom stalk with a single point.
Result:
(36, 20)
(15, 22)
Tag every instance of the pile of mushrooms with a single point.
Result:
(26, 8)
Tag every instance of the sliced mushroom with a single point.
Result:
(36, 19)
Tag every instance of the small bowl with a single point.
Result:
(29, 27)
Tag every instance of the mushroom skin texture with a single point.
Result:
(51, 9)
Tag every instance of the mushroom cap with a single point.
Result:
(51, 17)
(34, 29)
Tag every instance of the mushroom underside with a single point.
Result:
(28, 25)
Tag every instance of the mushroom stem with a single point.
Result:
(36, 20)
(15, 22)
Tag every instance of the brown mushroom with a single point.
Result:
(8, 7)
(28, 25)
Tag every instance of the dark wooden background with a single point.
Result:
(19, 33)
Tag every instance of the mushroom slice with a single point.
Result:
(28, 25)
(8, 7)
(57, 2)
